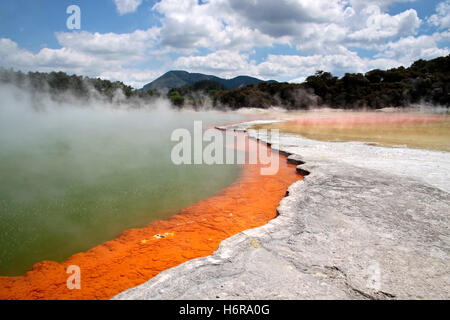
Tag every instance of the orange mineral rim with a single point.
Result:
(137, 255)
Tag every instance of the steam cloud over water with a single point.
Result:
(75, 174)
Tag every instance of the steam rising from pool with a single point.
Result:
(74, 175)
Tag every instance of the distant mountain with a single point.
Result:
(178, 79)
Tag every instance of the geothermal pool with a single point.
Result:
(74, 176)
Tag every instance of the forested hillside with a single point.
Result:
(178, 78)
(423, 82)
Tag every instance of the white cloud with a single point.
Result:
(379, 25)
(242, 25)
(190, 25)
(324, 29)
(7, 46)
(298, 80)
(442, 17)
(285, 17)
(106, 55)
(326, 34)
(309, 25)
(361, 4)
(12, 55)
(131, 76)
(407, 50)
(302, 66)
(111, 45)
(222, 63)
(230, 64)
(127, 6)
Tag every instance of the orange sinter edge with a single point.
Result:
(137, 255)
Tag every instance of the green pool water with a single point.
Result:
(73, 177)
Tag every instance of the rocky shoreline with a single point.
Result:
(366, 223)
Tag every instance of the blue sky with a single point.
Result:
(135, 41)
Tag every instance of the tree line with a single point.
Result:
(60, 84)
(423, 82)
